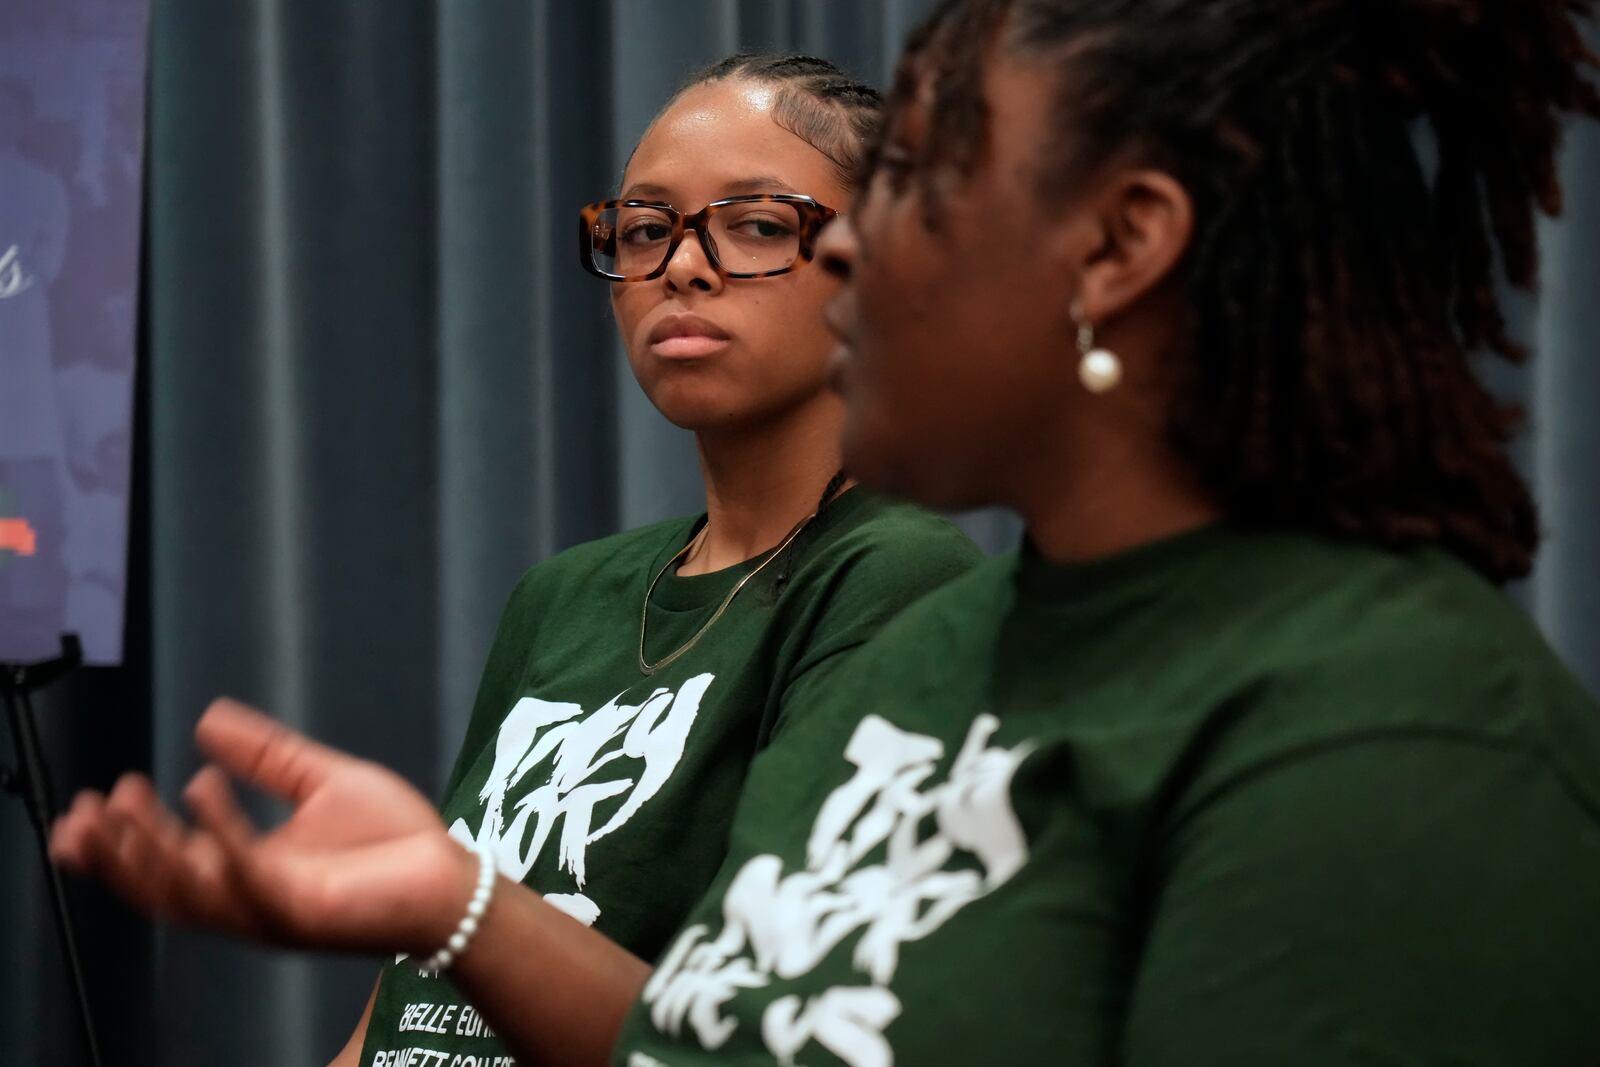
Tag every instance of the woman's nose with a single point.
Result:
(836, 248)
(690, 267)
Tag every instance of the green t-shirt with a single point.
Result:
(1246, 800)
(611, 792)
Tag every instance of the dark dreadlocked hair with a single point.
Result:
(816, 101)
(1337, 287)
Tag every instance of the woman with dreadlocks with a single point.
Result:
(1242, 758)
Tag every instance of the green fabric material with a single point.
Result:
(1233, 799)
(611, 792)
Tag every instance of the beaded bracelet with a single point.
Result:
(441, 960)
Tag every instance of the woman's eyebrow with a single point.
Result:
(763, 183)
(645, 190)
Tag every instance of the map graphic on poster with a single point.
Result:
(72, 75)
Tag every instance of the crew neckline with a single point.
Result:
(1147, 567)
(677, 592)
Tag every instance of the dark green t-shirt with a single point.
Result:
(611, 792)
(1246, 800)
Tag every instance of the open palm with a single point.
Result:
(363, 862)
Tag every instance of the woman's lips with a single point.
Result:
(688, 346)
(841, 368)
(687, 337)
(842, 362)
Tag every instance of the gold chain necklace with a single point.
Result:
(644, 613)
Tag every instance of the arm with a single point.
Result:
(553, 989)
(364, 864)
(1420, 900)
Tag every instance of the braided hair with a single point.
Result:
(1338, 279)
(816, 101)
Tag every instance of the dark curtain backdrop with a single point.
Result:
(376, 388)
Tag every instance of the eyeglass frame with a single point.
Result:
(813, 217)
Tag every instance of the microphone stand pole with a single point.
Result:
(31, 781)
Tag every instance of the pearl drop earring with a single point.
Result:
(1099, 369)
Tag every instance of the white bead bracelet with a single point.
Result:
(441, 960)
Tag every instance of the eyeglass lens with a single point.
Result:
(752, 238)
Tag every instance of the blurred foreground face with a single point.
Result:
(747, 351)
(957, 343)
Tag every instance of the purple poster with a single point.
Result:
(72, 76)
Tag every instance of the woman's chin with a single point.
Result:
(693, 402)
(872, 459)
(703, 415)
(709, 407)
(888, 466)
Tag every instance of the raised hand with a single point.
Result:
(363, 862)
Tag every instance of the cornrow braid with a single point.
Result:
(816, 101)
(1337, 287)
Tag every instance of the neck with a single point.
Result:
(762, 481)
(1129, 491)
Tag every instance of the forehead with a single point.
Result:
(714, 138)
(1011, 117)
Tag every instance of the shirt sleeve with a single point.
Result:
(859, 598)
(1419, 900)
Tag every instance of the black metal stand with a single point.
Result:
(31, 781)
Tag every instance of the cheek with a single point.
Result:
(629, 305)
(800, 318)
(916, 366)
(942, 386)
(784, 341)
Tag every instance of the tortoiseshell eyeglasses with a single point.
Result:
(743, 236)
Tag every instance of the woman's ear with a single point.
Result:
(1141, 225)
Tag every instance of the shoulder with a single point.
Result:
(630, 544)
(1354, 643)
(868, 562)
(622, 558)
(1412, 625)
(873, 540)
(971, 601)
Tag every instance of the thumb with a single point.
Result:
(262, 751)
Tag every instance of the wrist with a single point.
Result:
(451, 889)
(467, 927)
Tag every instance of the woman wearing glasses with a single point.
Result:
(633, 679)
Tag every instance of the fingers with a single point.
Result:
(230, 875)
(212, 891)
(249, 870)
(134, 799)
(98, 837)
(147, 860)
(210, 798)
(263, 751)
(69, 845)
(147, 856)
